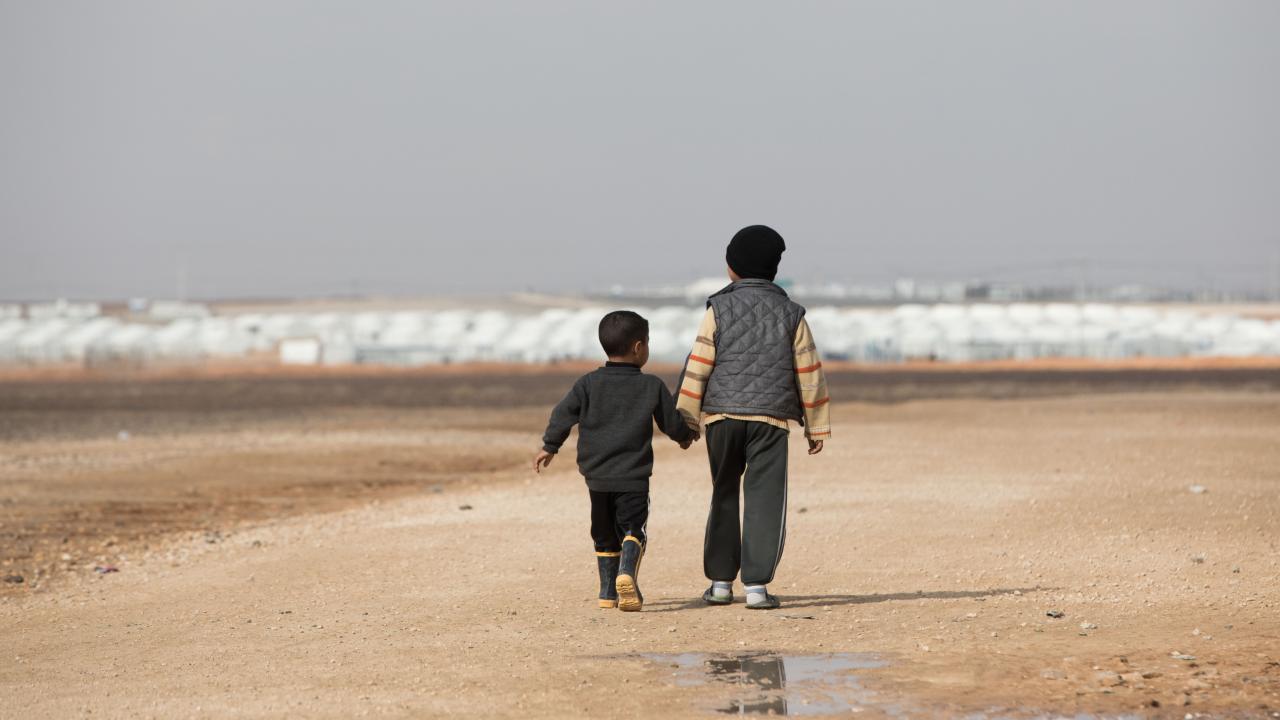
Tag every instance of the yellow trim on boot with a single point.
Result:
(609, 554)
(628, 597)
(608, 604)
(636, 540)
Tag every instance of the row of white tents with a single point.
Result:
(940, 332)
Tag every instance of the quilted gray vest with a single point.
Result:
(755, 372)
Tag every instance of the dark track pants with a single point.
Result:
(759, 449)
(615, 515)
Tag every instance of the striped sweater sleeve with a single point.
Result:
(697, 369)
(813, 385)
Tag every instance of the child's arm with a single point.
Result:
(669, 420)
(563, 418)
(812, 383)
(697, 369)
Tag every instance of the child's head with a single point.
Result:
(624, 335)
(754, 252)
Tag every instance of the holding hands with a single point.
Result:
(544, 459)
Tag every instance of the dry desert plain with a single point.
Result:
(973, 542)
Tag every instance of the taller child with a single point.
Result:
(754, 369)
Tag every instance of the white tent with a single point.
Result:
(37, 342)
(75, 343)
(9, 331)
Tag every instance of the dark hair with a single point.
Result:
(620, 330)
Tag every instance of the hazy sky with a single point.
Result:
(278, 148)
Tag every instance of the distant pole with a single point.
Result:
(181, 281)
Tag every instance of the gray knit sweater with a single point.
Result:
(615, 408)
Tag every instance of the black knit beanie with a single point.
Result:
(755, 251)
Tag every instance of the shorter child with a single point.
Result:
(614, 408)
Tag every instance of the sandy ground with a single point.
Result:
(351, 557)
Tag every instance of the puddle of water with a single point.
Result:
(1007, 715)
(763, 683)
(766, 683)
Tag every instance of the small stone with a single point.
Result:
(671, 629)
(1198, 489)
(1182, 656)
(1197, 559)
(465, 507)
(1056, 614)
(1088, 626)
(1195, 684)
(1110, 679)
(1052, 674)
(15, 579)
(123, 436)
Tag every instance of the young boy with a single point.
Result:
(753, 368)
(615, 408)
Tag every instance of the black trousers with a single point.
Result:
(755, 546)
(615, 515)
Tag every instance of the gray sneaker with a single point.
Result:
(770, 602)
(709, 597)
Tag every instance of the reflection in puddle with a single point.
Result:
(772, 684)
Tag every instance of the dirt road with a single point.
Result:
(926, 548)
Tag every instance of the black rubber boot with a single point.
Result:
(608, 564)
(628, 583)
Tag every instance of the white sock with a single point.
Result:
(756, 593)
(722, 588)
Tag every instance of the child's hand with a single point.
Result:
(542, 459)
(684, 444)
(815, 446)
